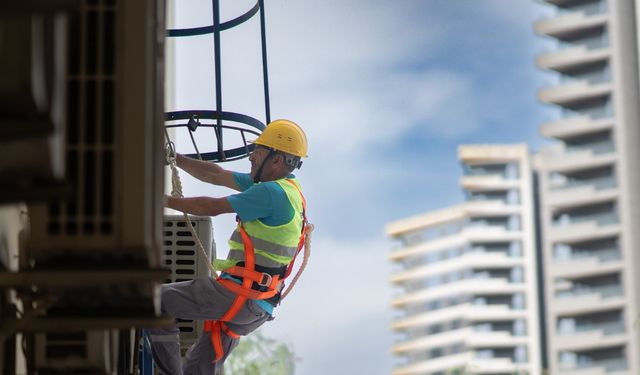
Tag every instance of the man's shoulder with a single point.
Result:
(243, 180)
(271, 187)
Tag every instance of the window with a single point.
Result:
(517, 301)
(520, 354)
(514, 223)
(519, 327)
(515, 249)
(517, 275)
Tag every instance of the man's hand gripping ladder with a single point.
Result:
(176, 191)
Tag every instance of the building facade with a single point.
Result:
(466, 275)
(589, 185)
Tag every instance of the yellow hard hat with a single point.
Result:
(285, 136)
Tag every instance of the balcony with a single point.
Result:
(467, 261)
(572, 92)
(596, 367)
(601, 213)
(490, 208)
(464, 287)
(560, 2)
(591, 336)
(583, 223)
(558, 159)
(495, 312)
(488, 233)
(487, 182)
(583, 267)
(465, 311)
(432, 317)
(601, 190)
(600, 178)
(603, 251)
(609, 367)
(433, 341)
(494, 234)
(575, 125)
(582, 231)
(586, 300)
(604, 292)
(569, 57)
(441, 364)
(487, 366)
(427, 247)
(494, 339)
(569, 23)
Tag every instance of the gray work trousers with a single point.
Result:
(201, 299)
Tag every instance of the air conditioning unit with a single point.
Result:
(91, 352)
(32, 101)
(113, 154)
(186, 261)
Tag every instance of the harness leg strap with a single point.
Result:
(216, 327)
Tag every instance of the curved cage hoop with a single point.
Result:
(190, 121)
(253, 126)
(210, 29)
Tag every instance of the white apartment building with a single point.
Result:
(467, 299)
(589, 187)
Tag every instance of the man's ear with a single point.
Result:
(277, 158)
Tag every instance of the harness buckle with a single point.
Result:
(266, 280)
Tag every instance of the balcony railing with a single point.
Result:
(610, 365)
(599, 219)
(595, 113)
(611, 328)
(596, 148)
(604, 292)
(601, 183)
(588, 9)
(592, 43)
(603, 256)
(593, 78)
(504, 171)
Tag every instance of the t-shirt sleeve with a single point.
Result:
(253, 203)
(243, 180)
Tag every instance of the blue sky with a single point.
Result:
(386, 91)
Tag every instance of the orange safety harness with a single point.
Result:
(249, 275)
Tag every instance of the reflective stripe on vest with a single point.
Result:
(275, 246)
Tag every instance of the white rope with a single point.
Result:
(176, 191)
(307, 252)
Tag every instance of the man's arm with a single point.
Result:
(201, 206)
(207, 172)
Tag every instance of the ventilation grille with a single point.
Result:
(72, 352)
(60, 346)
(186, 262)
(90, 124)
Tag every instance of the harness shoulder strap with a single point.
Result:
(302, 232)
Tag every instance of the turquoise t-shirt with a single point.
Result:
(264, 201)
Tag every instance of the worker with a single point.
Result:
(271, 219)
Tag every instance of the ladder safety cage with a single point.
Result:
(243, 124)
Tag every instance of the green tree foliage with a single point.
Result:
(260, 355)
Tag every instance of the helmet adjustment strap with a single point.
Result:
(258, 175)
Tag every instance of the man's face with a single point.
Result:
(256, 158)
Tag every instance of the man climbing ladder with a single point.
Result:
(271, 230)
